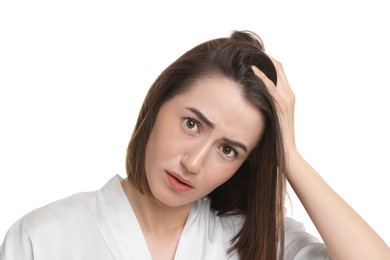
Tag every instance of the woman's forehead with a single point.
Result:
(223, 103)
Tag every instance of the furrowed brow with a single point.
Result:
(202, 117)
(235, 143)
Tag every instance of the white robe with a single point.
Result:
(102, 225)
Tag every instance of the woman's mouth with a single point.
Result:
(178, 183)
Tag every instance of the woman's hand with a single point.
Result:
(285, 101)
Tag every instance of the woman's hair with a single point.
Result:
(257, 189)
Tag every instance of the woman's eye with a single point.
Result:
(228, 151)
(191, 125)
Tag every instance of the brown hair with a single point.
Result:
(257, 189)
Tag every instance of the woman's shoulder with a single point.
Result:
(299, 244)
(72, 209)
(67, 225)
(57, 213)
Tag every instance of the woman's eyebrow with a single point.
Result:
(210, 124)
(235, 143)
(202, 117)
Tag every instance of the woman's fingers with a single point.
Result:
(268, 83)
(284, 98)
(282, 93)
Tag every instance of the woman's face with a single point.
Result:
(199, 140)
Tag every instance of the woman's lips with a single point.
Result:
(179, 183)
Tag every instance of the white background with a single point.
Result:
(73, 75)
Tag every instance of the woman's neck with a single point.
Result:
(154, 217)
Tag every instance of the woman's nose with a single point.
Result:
(193, 160)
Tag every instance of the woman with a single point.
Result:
(207, 165)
